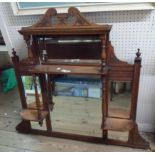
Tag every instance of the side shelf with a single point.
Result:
(118, 124)
(32, 115)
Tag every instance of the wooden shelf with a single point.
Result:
(32, 115)
(116, 124)
(62, 69)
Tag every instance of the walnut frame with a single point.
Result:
(109, 68)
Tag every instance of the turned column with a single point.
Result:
(135, 85)
(104, 79)
(30, 43)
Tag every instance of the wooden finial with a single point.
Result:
(15, 58)
(138, 58)
(14, 52)
(138, 53)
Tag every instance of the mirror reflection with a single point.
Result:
(120, 99)
(29, 87)
(77, 106)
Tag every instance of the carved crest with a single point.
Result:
(46, 19)
(72, 18)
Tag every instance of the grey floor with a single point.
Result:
(10, 140)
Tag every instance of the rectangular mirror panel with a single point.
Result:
(77, 106)
(120, 99)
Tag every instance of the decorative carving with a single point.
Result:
(15, 58)
(80, 19)
(62, 19)
(46, 19)
(111, 58)
(138, 139)
(103, 53)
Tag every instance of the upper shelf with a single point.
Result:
(62, 69)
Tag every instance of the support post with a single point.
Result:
(24, 126)
(134, 136)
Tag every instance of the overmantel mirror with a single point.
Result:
(81, 54)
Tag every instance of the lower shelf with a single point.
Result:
(32, 115)
(117, 124)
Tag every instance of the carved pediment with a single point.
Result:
(72, 18)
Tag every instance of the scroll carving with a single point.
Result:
(62, 19)
(80, 19)
(111, 58)
(46, 19)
